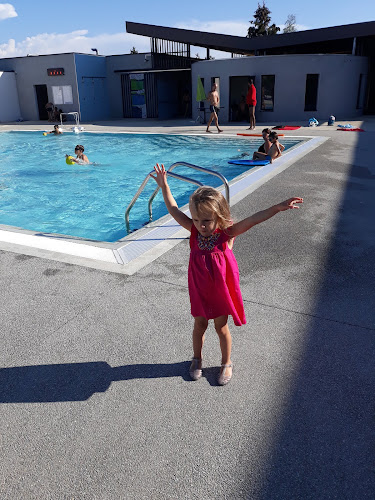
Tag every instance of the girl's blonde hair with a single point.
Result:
(208, 199)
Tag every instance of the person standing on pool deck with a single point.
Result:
(81, 158)
(251, 101)
(213, 277)
(214, 100)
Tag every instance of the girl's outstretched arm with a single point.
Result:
(170, 202)
(249, 222)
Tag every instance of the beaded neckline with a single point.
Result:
(207, 242)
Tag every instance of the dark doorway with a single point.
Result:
(174, 94)
(42, 99)
(238, 109)
(369, 108)
(311, 94)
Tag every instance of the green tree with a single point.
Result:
(261, 24)
(134, 51)
(290, 24)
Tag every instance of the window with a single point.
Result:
(311, 94)
(62, 94)
(267, 92)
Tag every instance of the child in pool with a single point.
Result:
(55, 131)
(213, 272)
(81, 158)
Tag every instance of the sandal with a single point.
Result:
(223, 379)
(195, 372)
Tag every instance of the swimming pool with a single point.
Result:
(40, 192)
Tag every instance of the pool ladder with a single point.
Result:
(175, 176)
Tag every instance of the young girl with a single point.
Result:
(213, 272)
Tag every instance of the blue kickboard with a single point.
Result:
(259, 163)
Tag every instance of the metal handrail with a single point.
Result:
(175, 176)
(195, 167)
(142, 186)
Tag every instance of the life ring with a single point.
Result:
(69, 160)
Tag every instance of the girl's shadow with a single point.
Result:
(76, 381)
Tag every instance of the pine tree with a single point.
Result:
(134, 51)
(261, 24)
(290, 24)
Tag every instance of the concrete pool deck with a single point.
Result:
(96, 401)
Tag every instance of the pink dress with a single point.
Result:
(214, 283)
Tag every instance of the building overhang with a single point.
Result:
(243, 45)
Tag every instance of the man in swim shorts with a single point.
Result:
(214, 100)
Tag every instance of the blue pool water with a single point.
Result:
(40, 192)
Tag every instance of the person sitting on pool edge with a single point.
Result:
(55, 131)
(265, 147)
(274, 152)
(81, 158)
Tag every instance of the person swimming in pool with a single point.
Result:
(81, 158)
(55, 130)
(274, 151)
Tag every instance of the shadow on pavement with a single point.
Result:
(324, 443)
(75, 381)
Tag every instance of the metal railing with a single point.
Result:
(175, 176)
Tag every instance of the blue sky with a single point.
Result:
(35, 27)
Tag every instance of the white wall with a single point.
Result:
(337, 90)
(32, 70)
(10, 108)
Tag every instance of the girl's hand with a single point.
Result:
(291, 203)
(161, 176)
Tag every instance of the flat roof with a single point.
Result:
(238, 44)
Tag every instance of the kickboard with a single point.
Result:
(351, 129)
(286, 127)
(254, 163)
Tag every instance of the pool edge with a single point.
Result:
(138, 249)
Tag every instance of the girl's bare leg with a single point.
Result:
(200, 327)
(222, 329)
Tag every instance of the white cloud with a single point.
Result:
(7, 11)
(234, 28)
(75, 41)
